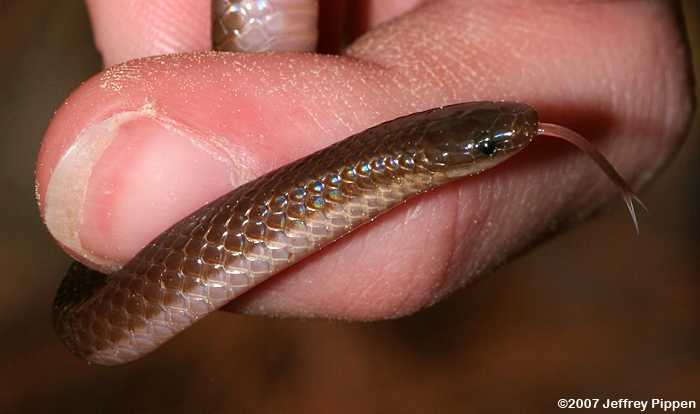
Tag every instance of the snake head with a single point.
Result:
(465, 139)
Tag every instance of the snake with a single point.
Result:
(248, 235)
(236, 242)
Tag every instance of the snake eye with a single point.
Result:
(487, 147)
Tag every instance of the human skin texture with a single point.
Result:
(146, 142)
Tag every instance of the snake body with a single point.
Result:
(242, 238)
(264, 25)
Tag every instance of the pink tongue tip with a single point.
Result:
(630, 198)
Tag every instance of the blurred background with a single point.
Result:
(594, 312)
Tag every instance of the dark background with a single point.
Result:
(595, 312)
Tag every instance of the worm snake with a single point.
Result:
(248, 235)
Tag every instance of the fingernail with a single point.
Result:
(125, 180)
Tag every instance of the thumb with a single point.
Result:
(144, 143)
(130, 29)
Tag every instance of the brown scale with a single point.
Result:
(266, 225)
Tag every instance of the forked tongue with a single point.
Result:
(557, 131)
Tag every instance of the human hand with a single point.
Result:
(153, 139)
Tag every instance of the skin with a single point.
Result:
(614, 71)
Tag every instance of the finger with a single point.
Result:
(380, 11)
(160, 136)
(130, 29)
(342, 20)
